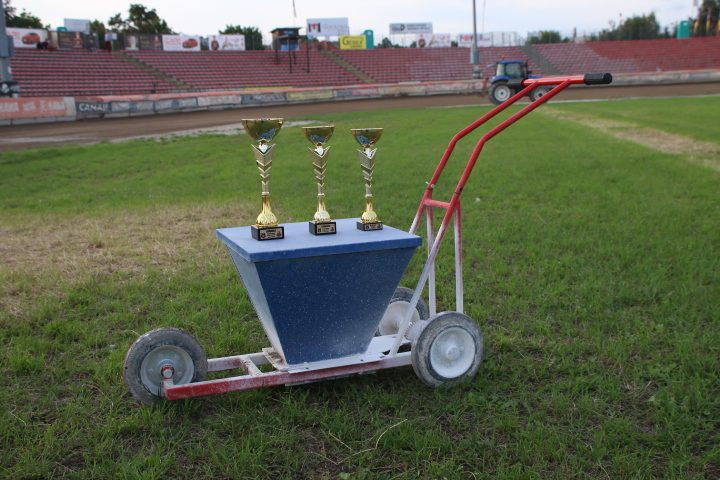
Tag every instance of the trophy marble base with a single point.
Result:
(322, 228)
(267, 233)
(369, 227)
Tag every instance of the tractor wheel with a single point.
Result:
(500, 92)
(538, 92)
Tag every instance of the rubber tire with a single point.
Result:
(538, 92)
(152, 341)
(502, 89)
(404, 294)
(421, 349)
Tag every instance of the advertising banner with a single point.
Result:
(327, 27)
(465, 40)
(75, 25)
(71, 40)
(27, 37)
(181, 43)
(402, 28)
(353, 42)
(226, 42)
(149, 42)
(34, 107)
(433, 40)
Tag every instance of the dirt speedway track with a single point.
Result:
(85, 132)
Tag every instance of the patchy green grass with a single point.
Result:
(591, 264)
(693, 117)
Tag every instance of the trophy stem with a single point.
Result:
(369, 216)
(267, 217)
(322, 214)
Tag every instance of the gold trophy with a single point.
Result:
(263, 131)
(367, 138)
(322, 223)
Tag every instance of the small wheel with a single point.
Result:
(538, 92)
(156, 349)
(500, 92)
(448, 350)
(395, 312)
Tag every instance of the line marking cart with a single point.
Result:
(331, 305)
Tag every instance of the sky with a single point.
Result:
(448, 16)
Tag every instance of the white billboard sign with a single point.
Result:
(27, 37)
(327, 27)
(505, 39)
(433, 40)
(226, 42)
(402, 28)
(465, 40)
(181, 43)
(75, 25)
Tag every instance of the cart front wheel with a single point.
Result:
(159, 348)
(448, 350)
(395, 312)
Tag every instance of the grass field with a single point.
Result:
(591, 264)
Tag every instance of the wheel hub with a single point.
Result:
(393, 317)
(452, 352)
(502, 93)
(151, 370)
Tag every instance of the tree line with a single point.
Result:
(140, 19)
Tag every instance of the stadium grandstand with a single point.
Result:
(85, 73)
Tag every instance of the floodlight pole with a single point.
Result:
(477, 73)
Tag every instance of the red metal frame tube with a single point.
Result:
(247, 382)
(530, 84)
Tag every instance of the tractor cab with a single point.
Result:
(510, 69)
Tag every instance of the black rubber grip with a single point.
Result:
(598, 79)
(515, 83)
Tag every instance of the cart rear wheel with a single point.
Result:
(157, 349)
(538, 92)
(395, 312)
(448, 350)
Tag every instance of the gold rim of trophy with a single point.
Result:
(264, 130)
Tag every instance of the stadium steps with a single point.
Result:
(182, 86)
(539, 59)
(330, 55)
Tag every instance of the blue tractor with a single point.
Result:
(506, 70)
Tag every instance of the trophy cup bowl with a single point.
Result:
(263, 130)
(321, 224)
(367, 138)
(319, 136)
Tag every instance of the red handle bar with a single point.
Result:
(529, 84)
